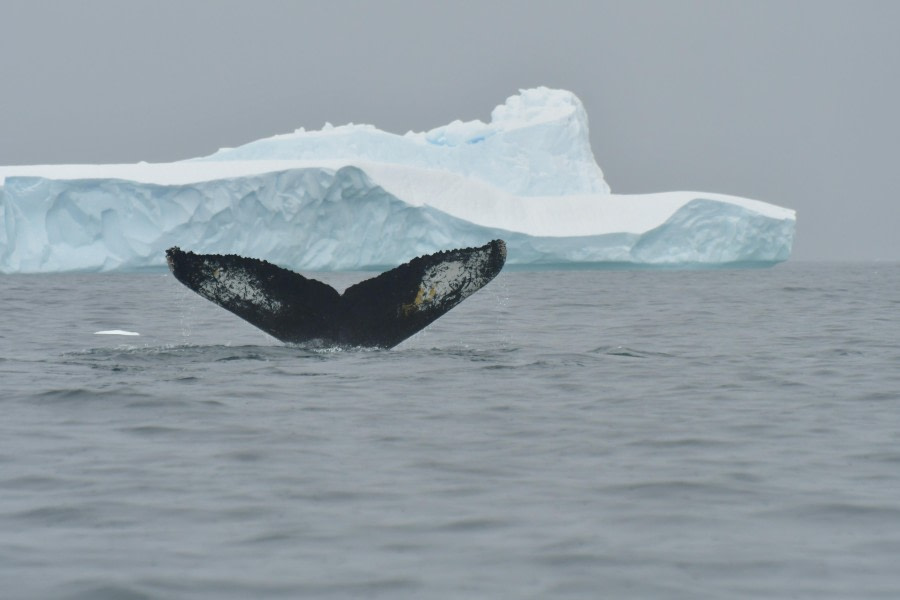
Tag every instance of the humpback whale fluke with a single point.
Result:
(379, 312)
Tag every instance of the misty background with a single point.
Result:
(790, 102)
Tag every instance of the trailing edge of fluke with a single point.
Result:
(379, 312)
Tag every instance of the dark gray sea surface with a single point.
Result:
(560, 434)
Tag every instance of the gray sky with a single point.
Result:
(791, 102)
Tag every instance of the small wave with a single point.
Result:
(294, 373)
(680, 489)
(845, 352)
(564, 359)
(680, 443)
(459, 468)
(107, 591)
(567, 559)
(472, 524)
(244, 356)
(480, 356)
(155, 403)
(32, 483)
(501, 367)
(882, 396)
(473, 354)
(248, 456)
(272, 537)
(56, 515)
(238, 588)
(79, 394)
(883, 457)
(152, 430)
(629, 352)
(840, 511)
(330, 496)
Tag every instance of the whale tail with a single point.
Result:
(379, 312)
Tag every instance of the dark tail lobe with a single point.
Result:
(379, 312)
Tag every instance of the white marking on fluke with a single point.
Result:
(116, 332)
(228, 285)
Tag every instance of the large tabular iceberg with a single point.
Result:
(355, 197)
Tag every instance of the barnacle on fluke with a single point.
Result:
(379, 312)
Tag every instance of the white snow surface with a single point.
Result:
(354, 197)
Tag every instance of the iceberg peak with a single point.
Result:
(538, 105)
(537, 144)
(528, 108)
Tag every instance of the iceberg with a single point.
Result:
(356, 198)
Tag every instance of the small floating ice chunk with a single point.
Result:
(116, 332)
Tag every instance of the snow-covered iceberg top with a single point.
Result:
(536, 144)
(355, 197)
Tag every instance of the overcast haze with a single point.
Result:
(794, 103)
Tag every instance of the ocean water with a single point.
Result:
(560, 434)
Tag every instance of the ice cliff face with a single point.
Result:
(354, 197)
